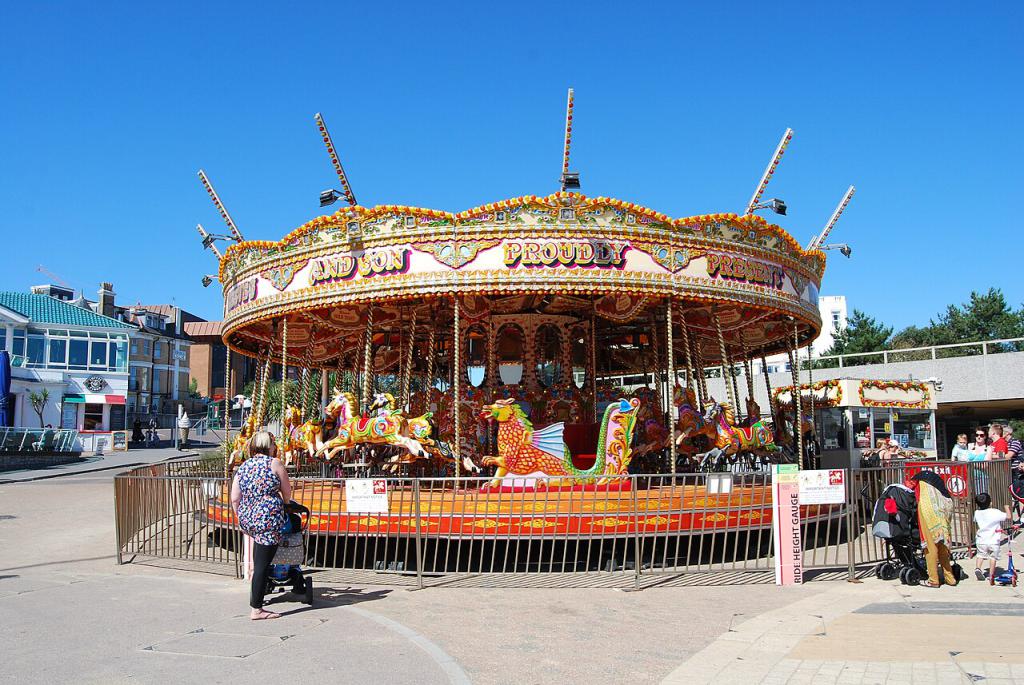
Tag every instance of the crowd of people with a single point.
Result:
(995, 443)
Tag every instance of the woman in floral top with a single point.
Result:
(258, 493)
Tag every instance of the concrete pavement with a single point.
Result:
(69, 612)
(112, 461)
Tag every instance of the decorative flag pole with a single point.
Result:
(767, 176)
(213, 245)
(818, 241)
(346, 189)
(235, 233)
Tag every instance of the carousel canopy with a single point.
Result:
(564, 255)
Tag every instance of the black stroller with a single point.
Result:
(895, 521)
(286, 569)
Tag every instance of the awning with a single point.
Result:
(75, 398)
(115, 399)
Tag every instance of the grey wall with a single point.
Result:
(964, 379)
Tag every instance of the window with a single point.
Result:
(156, 381)
(157, 350)
(98, 354)
(78, 354)
(131, 404)
(862, 428)
(36, 347)
(145, 347)
(835, 320)
(831, 428)
(58, 352)
(913, 428)
(882, 427)
(135, 346)
(93, 417)
(122, 355)
(19, 344)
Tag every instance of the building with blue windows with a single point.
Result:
(78, 356)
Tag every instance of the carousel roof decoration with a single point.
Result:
(569, 179)
(204, 234)
(235, 233)
(818, 241)
(332, 150)
(564, 253)
(769, 171)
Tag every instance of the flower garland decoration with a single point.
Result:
(826, 386)
(905, 386)
(702, 224)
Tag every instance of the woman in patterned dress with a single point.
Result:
(258, 493)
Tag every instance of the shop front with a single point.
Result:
(852, 415)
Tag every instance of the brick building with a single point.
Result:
(209, 355)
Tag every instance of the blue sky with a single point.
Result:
(108, 111)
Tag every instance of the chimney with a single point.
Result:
(105, 305)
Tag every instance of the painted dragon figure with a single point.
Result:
(542, 454)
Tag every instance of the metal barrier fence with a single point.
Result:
(437, 529)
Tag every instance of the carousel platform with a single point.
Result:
(635, 506)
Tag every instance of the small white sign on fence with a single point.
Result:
(822, 486)
(366, 495)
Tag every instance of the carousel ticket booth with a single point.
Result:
(852, 415)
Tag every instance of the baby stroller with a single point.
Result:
(286, 570)
(894, 520)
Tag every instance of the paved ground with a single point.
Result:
(112, 461)
(113, 624)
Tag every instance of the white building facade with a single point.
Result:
(77, 356)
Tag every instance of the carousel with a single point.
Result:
(476, 346)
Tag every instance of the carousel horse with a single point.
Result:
(241, 441)
(734, 439)
(293, 444)
(782, 422)
(691, 424)
(522, 451)
(312, 433)
(387, 428)
(384, 404)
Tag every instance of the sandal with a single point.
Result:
(929, 583)
(264, 616)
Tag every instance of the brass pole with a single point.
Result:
(729, 388)
(367, 361)
(284, 383)
(457, 385)
(593, 365)
(671, 385)
(407, 377)
(794, 360)
(227, 412)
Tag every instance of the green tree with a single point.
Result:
(862, 333)
(985, 316)
(193, 389)
(39, 400)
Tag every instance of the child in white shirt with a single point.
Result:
(989, 521)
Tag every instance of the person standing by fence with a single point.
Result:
(935, 515)
(960, 449)
(997, 448)
(259, 491)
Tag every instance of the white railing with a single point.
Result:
(929, 352)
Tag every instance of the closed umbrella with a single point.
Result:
(5, 387)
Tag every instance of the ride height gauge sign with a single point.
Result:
(366, 495)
